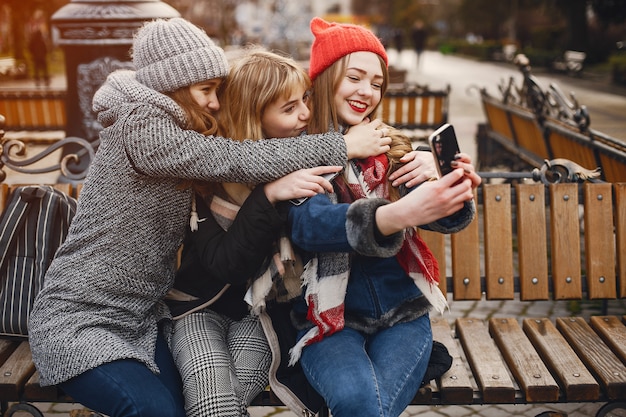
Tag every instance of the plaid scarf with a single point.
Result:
(326, 276)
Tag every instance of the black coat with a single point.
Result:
(213, 258)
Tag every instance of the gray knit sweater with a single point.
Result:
(102, 297)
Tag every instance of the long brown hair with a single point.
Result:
(201, 121)
(198, 119)
(324, 113)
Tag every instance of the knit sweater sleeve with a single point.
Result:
(157, 146)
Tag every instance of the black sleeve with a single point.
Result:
(233, 256)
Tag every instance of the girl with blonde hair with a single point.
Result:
(236, 240)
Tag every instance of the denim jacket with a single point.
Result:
(379, 292)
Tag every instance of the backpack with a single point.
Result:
(32, 227)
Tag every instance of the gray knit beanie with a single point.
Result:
(174, 53)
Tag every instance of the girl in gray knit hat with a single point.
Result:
(97, 327)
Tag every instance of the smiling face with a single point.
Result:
(288, 116)
(205, 94)
(360, 89)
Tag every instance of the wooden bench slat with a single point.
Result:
(613, 169)
(523, 361)
(498, 243)
(399, 109)
(415, 108)
(599, 251)
(573, 377)
(565, 142)
(425, 110)
(565, 241)
(497, 118)
(36, 110)
(620, 229)
(35, 392)
(455, 385)
(15, 371)
(7, 347)
(601, 361)
(438, 114)
(487, 365)
(4, 196)
(613, 332)
(465, 254)
(532, 244)
(412, 111)
(528, 133)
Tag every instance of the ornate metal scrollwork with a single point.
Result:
(551, 102)
(13, 155)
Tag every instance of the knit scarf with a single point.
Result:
(278, 277)
(326, 276)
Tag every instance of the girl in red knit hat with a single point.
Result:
(364, 339)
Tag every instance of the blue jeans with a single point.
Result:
(370, 375)
(127, 388)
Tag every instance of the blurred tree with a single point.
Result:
(607, 27)
(575, 12)
(485, 17)
(609, 11)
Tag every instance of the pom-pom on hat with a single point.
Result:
(336, 40)
(174, 53)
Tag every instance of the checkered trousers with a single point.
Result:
(223, 363)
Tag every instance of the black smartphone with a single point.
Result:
(329, 177)
(444, 146)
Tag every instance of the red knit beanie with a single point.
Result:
(336, 40)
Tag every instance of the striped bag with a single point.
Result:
(32, 227)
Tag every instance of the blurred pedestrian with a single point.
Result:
(398, 39)
(38, 48)
(419, 36)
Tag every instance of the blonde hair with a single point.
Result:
(256, 80)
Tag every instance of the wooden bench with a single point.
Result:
(528, 242)
(557, 128)
(516, 130)
(33, 110)
(416, 109)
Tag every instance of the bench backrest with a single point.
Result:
(415, 108)
(560, 241)
(516, 128)
(33, 110)
(534, 139)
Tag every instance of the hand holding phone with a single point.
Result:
(330, 176)
(444, 146)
